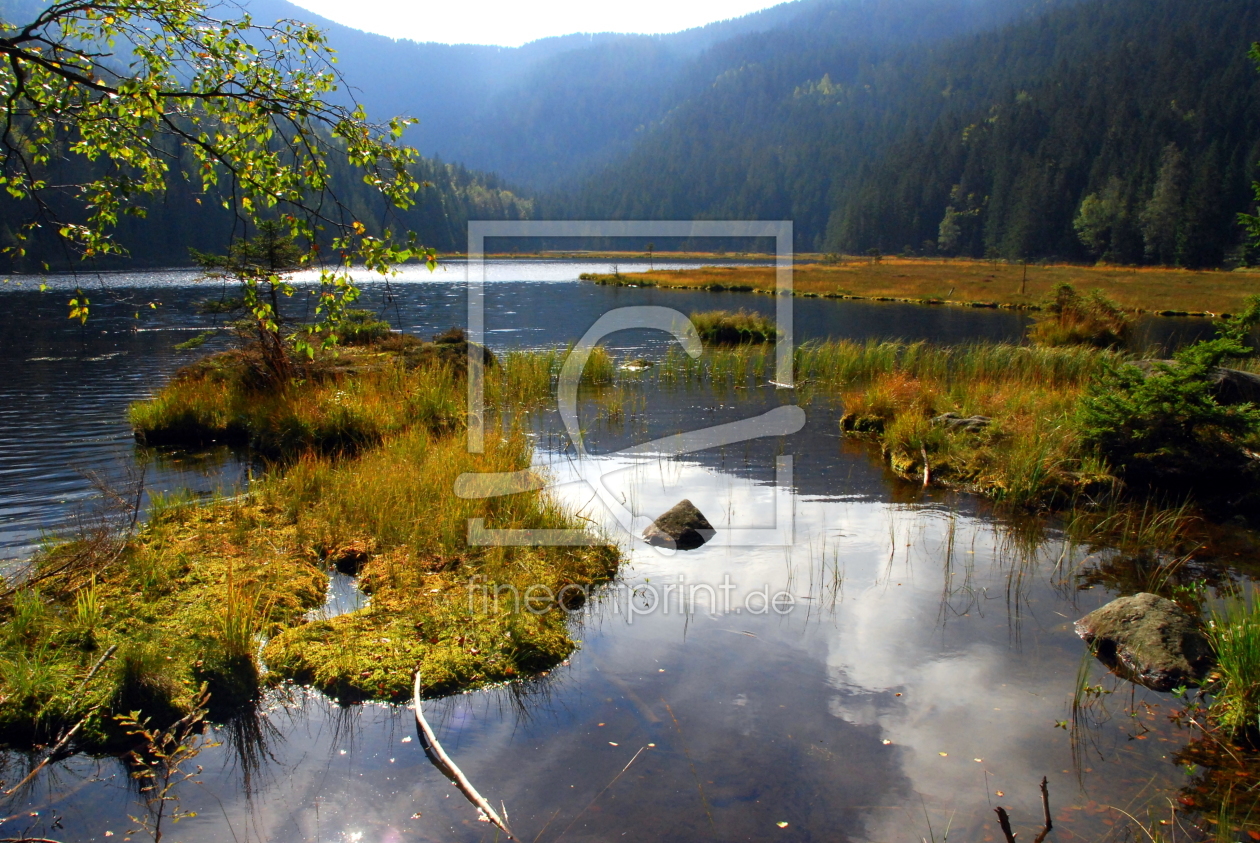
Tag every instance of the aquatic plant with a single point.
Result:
(1069, 318)
(360, 327)
(725, 327)
(1234, 630)
(347, 400)
(451, 608)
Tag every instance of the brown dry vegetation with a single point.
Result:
(985, 283)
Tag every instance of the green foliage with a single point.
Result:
(196, 342)
(1163, 426)
(114, 101)
(1099, 216)
(119, 84)
(1072, 319)
(158, 763)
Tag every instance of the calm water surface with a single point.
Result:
(912, 678)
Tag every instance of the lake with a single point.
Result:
(919, 672)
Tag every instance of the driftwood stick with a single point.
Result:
(448, 768)
(65, 739)
(1005, 822)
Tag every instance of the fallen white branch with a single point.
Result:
(447, 767)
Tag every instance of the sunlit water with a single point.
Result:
(914, 668)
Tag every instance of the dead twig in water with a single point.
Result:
(1005, 822)
(593, 801)
(1004, 819)
(700, 787)
(1045, 810)
(65, 739)
(448, 768)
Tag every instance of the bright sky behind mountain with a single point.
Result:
(511, 23)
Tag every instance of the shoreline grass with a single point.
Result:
(975, 283)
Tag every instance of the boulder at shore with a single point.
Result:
(1149, 640)
(683, 527)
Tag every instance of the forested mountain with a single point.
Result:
(1126, 130)
(986, 144)
(553, 110)
(179, 219)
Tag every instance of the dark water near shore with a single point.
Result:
(914, 683)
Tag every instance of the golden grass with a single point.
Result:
(987, 283)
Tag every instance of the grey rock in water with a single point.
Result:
(1149, 640)
(953, 421)
(683, 527)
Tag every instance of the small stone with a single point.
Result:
(683, 527)
(968, 424)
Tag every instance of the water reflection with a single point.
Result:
(859, 714)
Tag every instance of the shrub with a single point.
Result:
(1073, 319)
(361, 327)
(1165, 427)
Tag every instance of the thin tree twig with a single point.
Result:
(448, 768)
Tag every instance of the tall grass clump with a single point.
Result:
(1070, 318)
(349, 401)
(993, 418)
(741, 327)
(361, 327)
(1234, 631)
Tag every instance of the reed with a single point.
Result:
(1074, 319)
(741, 327)
(1234, 630)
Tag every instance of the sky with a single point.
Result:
(511, 23)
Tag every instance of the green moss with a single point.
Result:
(159, 600)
